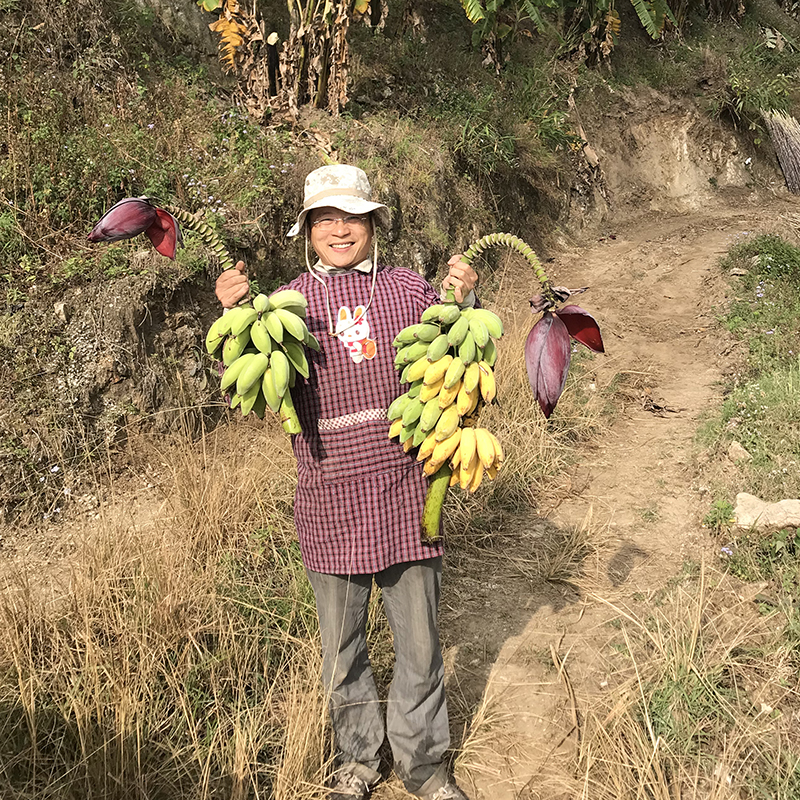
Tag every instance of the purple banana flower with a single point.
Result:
(547, 360)
(165, 234)
(547, 350)
(582, 327)
(134, 215)
(124, 220)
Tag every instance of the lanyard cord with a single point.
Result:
(331, 327)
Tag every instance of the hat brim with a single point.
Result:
(350, 205)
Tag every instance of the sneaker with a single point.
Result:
(346, 786)
(447, 792)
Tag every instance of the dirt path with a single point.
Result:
(653, 289)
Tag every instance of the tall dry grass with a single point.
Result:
(700, 703)
(179, 658)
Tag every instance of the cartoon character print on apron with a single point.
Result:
(352, 331)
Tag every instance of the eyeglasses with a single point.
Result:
(329, 223)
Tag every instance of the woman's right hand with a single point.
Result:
(232, 285)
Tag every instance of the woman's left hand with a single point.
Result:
(461, 277)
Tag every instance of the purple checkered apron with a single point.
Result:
(359, 497)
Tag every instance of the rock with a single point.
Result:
(61, 311)
(737, 453)
(752, 512)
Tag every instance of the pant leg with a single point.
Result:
(342, 603)
(416, 714)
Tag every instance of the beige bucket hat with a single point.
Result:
(340, 186)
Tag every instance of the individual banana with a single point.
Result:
(281, 371)
(297, 356)
(448, 396)
(450, 314)
(243, 317)
(249, 398)
(259, 405)
(447, 424)
(312, 342)
(477, 476)
(467, 446)
(466, 401)
(407, 336)
(420, 434)
(412, 411)
(479, 331)
(458, 331)
(274, 325)
(454, 373)
(270, 392)
(287, 297)
(261, 303)
(398, 405)
(430, 390)
(438, 347)
(490, 353)
(288, 415)
(467, 350)
(445, 448)
(427, 332)
(437, 370)
(298, 311)
(412, 352)
(427, 446)
(231, 374)
(234, 347)
(430, 415)
(217, 333)
(493, 323)
(292, 323)
(486, 382)
(432, 313)
(252, 373)
(485, 446)
(395, 428)
(260, 337)
(471, 376)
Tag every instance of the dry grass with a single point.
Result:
(178, 659)
(700, 703)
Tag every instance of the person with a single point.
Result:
(359, 496)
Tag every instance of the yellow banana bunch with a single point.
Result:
(447, 359)
(478, 455)
(262, 345)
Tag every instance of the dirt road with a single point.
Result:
(655, 286)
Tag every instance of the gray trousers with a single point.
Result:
(416, 712)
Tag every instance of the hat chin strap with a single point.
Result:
(331, 327)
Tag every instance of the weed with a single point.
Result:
(720, 516)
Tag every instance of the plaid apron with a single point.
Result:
(359, 497)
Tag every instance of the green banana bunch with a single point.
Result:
(262, 345)
(448, 358)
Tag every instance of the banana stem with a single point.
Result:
(206, 233)
(434, 500)
(515, 243)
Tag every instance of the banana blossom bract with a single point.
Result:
(134, 215)
(547, 349)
